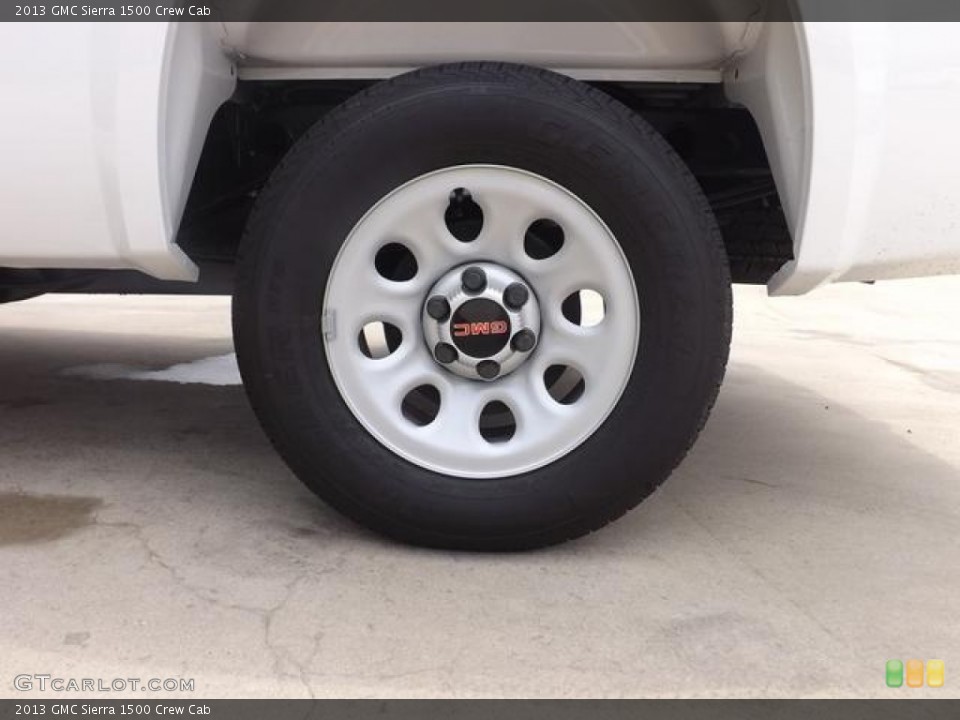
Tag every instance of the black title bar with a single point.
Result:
(480, 10)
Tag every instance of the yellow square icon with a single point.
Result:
(914, 673)
(935, 673)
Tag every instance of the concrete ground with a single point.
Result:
(147, 529)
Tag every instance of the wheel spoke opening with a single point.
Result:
(564, 383)
(421, 405)
(585, 308)
(463, 216)
(543, 239)
(396, 262)
(379, 339)
(497, 423)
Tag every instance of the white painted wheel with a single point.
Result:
(381, 341)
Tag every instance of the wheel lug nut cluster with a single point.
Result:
(481, 321)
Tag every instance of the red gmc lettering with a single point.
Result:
(497, 327)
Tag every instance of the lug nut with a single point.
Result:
(488, 369)
(445, 353)
(438, 308)
(523, 341)
(474, 280)
(516, 296)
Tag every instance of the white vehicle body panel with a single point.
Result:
(666, 51)
(102, 128)
(103, 123)
(860, 122)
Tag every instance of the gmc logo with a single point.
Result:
(497, 327)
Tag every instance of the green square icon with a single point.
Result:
(894, 673)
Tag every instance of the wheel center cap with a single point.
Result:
(480, 327)
(481, 321)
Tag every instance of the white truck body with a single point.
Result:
(103, 123)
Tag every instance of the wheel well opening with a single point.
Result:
(718, 141)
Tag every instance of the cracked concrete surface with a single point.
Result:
(148, 530)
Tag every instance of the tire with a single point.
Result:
(541, 127)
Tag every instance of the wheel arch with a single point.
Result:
(107, 120)
(196, 78)
(847, 110)
(773, 82)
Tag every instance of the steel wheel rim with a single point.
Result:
(545, 429)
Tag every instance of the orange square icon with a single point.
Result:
(935, 673)
(914, 673)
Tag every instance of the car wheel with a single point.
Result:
(482, 306)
